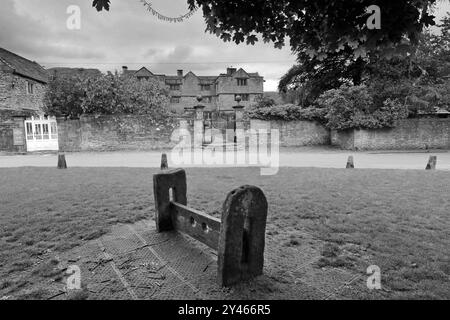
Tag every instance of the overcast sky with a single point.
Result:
(129, 35)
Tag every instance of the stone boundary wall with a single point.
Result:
(296, 133)
(114, 133)
(413, 134)
(138, 133)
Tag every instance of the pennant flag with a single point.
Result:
(162, 17)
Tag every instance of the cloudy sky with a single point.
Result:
(129, 35)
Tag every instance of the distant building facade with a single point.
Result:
(218, 92)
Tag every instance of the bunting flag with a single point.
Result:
(162, 17)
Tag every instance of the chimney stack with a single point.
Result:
(230, 71)
(180, 73)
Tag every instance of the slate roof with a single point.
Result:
(203, 79)
(23, 67)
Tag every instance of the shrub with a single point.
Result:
(383, 117)
(266, 109)
(287, 112)
(353, 107)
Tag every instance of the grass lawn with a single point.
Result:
(398, 218)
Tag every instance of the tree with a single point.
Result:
(311, 77)
(115, 94)
(315, 28)
(106, 94)
(433, 52)
(146, 97)
(332, 39)
(396, 77)
(64, 96)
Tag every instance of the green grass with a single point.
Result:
(396, 219)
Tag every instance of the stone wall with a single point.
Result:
(14, 95)
(425, 133)
(296, 133)
(12, 131)
(114, 133)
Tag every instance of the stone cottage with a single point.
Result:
(22, 88)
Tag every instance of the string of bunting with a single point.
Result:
(162, 17)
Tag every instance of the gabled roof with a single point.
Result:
(175, 79)
(190, 73)
(240, 73)
(143, 72)
(23, 67)
(129, 72)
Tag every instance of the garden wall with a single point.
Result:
(133, 132)
(114, 133)
(296, 133)
(425, 133)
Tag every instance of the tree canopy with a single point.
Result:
(315, 28)
(375, 92)
(106, 94)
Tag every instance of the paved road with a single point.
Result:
(310, 157)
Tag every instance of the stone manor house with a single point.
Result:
(219, 92)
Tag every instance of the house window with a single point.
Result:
(30, 87)
(244, 97)
(140, 78)
(205, 87)
(241, 82)
(207, 115)
(175, 100)
(258, 97)
(29, 131)
(208, 99)
(175, 87)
